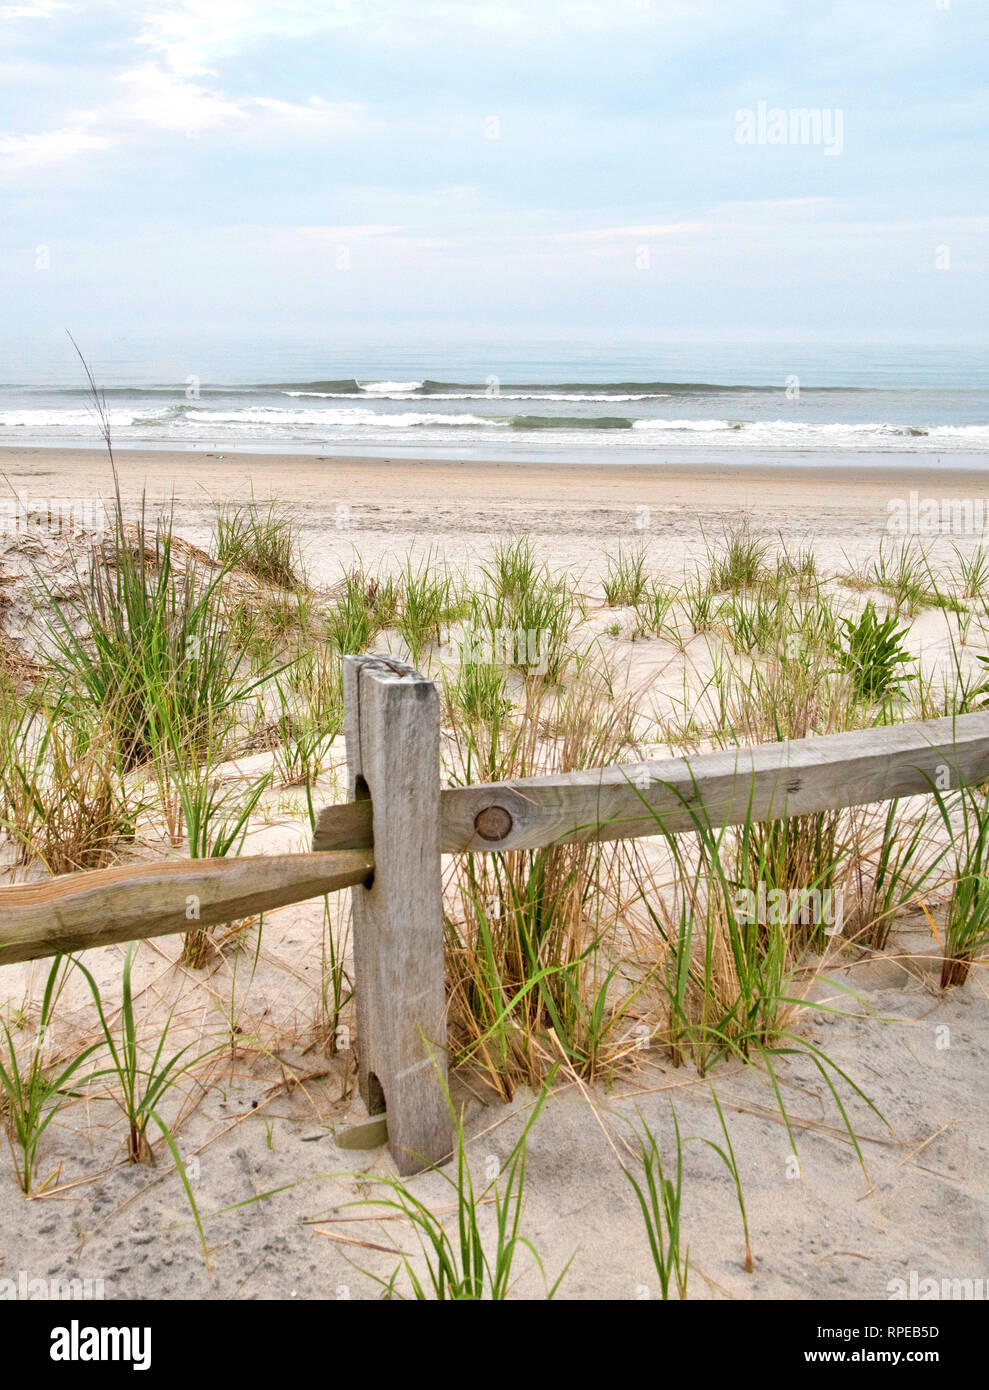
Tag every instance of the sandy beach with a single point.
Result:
(379, 507)
(264, 1118)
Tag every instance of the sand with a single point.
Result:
(820, 1226)
(378, 507)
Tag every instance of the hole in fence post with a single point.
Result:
(493, 823)
(362, 792)
(375, 1102)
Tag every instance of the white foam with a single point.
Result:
(381, 386)
(485, 395)
(372, 424)
(346, 418)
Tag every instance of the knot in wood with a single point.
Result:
(493, 823)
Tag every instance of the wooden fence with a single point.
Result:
(386, 843)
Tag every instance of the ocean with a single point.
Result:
(642, 403)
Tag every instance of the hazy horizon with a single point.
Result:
(373, 172)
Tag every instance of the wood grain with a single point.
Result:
(392, 726)
(767, 781)
(79, 911)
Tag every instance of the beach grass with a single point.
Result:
(162, 673)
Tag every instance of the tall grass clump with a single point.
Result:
(789, 694)
(737, 561)
(478, 692)
(965, 816)
(364, 605)
(148, 635)
(514, 567)
(755, 623)
(63, 797)
(891, 863)
(725, 974)
(263, 540)
(429, 599)
(905, 576)
(525, 938)
(797, 569)
(308, 717)
(527, 617)
(626, 581)
(700, 603)
(199, 806)
(733, 970)
(973, 570)
(742, 908)
(653, 609)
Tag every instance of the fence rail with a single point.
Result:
(385, 844)
(765, 782)
(79, 911)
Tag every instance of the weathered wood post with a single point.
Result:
(392, 727)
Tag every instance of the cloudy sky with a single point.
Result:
(525, 169)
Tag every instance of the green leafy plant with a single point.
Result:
(871, 651)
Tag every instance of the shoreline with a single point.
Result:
(713, 462)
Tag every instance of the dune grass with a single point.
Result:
(162, 673)
(261, 539)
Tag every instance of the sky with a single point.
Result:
(405, 170)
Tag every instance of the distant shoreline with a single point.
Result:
(880, 464)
